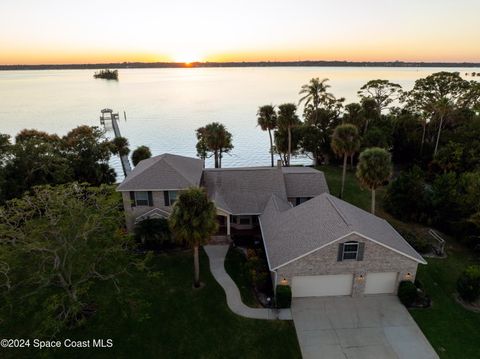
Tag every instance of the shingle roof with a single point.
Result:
(247, 190)
(244, 190)
(304, 182)
(290, 233)
(164, 172)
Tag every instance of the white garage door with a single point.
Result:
(322, 285)
(379, 283)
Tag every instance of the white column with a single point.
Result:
(228, 224)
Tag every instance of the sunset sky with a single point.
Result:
(95, 31)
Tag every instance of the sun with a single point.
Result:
(187, 57)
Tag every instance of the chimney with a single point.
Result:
(279, 163)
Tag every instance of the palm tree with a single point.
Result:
(119, 146)
(193, 221)
(141, 153)
(267, 120)
(345, 142)
(214, 138)
(314, 93)
(374, 168)
(442, 108)
(287, 119)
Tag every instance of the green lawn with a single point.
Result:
(181, 323)
(453, 331)
(353, 192)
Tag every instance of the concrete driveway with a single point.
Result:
(373, 327)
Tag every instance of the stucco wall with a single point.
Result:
(376, 258)
(132, 213)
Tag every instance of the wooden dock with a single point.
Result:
(108, 115)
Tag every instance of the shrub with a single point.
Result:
(259, 279)
(468, 285)
(418, 242)
(251, 253)
(406, 196)
(153, 232)
(407, 293)
(284, 296)
(418, 283)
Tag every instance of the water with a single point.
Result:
(165, 106)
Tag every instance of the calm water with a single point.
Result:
(165, 106)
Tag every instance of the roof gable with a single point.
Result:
(292, 233)
(164, 172)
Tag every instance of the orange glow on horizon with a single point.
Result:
(388, 52)
(86, 58)
(61, 32)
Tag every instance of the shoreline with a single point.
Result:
(140, 65)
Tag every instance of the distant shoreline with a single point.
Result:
(141, 65)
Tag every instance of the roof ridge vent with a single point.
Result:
(338, 211)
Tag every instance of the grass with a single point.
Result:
(235, 265)
(181, 322)
(452, 330)
(353, 192)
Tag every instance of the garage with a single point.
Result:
(381, 283)
(322, 285)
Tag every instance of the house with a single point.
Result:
(327, 247)
(315, 242)
(240, 194)
(151, 189)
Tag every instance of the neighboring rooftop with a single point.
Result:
(164, 172)
(289, 233)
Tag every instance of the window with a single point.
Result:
(173, 197)
(350, 250)
(141, 198)
(244, 220)
(170, 197)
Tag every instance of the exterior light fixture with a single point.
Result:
(284, 281)
(408, 276)
(360, 277)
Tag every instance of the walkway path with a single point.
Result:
(216, 255)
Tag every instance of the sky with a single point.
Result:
(99, 31)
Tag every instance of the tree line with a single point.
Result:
(40, 158)
(429, 136)
(61, 230)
